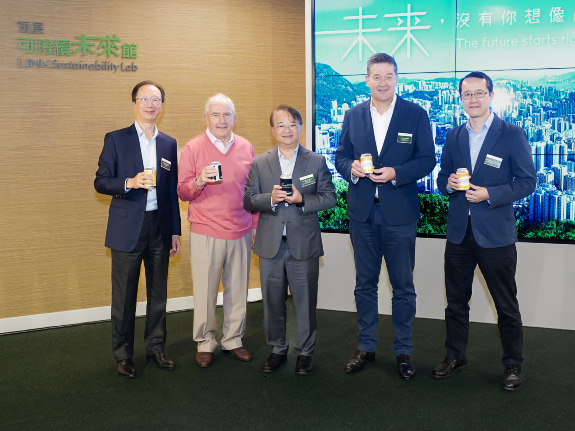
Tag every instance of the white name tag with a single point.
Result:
(404, 138)
(493, 161)
(307, 180)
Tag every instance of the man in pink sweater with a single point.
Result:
(221, 230)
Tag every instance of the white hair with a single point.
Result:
(219, 97)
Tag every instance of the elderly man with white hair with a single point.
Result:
(213, 170)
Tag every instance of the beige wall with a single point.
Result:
(52, 222)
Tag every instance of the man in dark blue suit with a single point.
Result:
(481, 227)
(383, 206)
(138, 167)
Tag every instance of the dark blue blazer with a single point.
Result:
(411, 161)
(493, 221)
(121, 158)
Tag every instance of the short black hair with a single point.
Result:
(479, 75)
(381, 57)
(141, 84)
(295, 115)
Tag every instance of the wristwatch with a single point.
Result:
(300, 204)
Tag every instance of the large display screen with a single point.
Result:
(526, 46)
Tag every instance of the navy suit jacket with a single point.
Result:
(302, 224)
(121, 158)
(493, 221)
(411, 161)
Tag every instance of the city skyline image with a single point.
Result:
(525, 48)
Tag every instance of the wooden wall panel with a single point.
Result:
(52, 222)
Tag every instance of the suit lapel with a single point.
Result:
(274, 164)
(490, 139)
(463, 146)
(300, 167)
(133, 147)
(160, 153)
(393, 129)
(367, 125)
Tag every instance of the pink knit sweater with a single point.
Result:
(217, 210)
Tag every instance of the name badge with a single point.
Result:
(307, 180)
(404, 138)
(166, 164)
(493, 161)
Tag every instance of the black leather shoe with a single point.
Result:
(512, 379)
(358, 361)
(303, 365)
(161, 361)
(449, 367)
(405, 367)
(273, 362)
(126, 369)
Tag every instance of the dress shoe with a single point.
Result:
(449, 367)
(204, 359)
(273, 363)
(126, 369)
(512, 379)
(303, 365)
(240, 354)
(161, 361)
(358, 361)
(405, 367)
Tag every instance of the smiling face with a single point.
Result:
(286, 130)
(382, 81)
(220, 119)
(476, 108)
(149, 113)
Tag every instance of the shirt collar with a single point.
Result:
(294, 154)
(485, 126)
(213, 139)
(141, 132)
(389, 109)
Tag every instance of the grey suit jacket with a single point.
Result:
(302, 224)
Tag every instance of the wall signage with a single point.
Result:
(83, 52)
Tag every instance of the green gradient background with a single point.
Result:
(440, 40)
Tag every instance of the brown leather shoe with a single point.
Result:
(240, 354)
(204, 359)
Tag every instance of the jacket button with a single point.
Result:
(286, 204)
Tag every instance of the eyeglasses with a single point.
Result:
(144, 100)
(281, 126)
(477, 94)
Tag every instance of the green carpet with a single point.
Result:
(65, 379)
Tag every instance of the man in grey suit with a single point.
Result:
(288, 236)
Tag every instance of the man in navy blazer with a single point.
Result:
(481, 227)
(383, 206)
(288, 237)
(143, 224)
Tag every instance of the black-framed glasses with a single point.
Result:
(478, 95)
